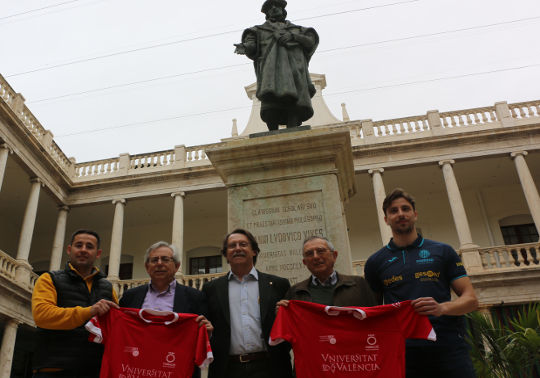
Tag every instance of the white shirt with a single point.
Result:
(245, 313)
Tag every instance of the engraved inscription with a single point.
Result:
(280, 225)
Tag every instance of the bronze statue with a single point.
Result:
(281, 52)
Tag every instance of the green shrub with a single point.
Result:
(506, 349)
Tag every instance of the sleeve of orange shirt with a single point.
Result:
(48, 315)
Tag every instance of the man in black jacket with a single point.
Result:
(241, 307)
(164, 293)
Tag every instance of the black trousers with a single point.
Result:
(253, 369)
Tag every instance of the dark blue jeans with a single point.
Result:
(439, 361)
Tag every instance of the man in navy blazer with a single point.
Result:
(163, 293)
(241, 306)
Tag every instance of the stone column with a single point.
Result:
(456, 204)
(469, 251)
(22, 274)
(8, 347)
(178, 225)
(4, 152)
(59, 236)
(116, 238)
(380, 194)
(25, 238)
(528, 186)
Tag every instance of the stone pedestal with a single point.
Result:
(286, 187)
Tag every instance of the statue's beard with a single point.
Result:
(276, 18)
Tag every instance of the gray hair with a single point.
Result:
(313, 237)
(175, 254)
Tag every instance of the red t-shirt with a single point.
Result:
(330, 341)
(147, 343)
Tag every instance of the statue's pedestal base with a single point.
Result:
(280, 131)
(286, 187)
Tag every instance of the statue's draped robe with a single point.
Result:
(283, 81)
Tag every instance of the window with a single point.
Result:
(125, 272)
(205, 265)
(519, 234)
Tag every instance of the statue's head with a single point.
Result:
(275, 10)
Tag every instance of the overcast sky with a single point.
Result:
(114, 76)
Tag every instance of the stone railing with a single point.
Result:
(8, 270)
(468, 117)
(8, 266)
(102, 168)
(400, 126)
(517, 256)
(435, 123)
(6, 92)
(180, 157)
(45, 137)
(195, 281)
(362, 132)
(152, 160)
(122, 286)
(358, 267)
(59, 156)
(525, 109)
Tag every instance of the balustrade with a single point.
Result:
(59, 156)
(97, 168)
(469, 117)
(8, 266)
(517, 256)
(8, 269)
(6, 92)
(196, 154)
(32, 123)
(195, 281)
(152, 160)
(400, 126)
(121, 286)
(356, 131)
(358, 267)
(525, 109)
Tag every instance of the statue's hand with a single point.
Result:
(284, 38)
(240, 48)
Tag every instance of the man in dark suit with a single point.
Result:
(163, 293)
(241, 307)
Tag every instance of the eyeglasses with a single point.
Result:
(240, 244)
(164, 259)
(318, 251)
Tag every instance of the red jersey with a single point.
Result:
(331, 341)
(147, 343)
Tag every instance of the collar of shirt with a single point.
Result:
(94, 271)
(252, 274)
(415, 244)
(160, 301)
(169, 288)
(330, 281)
